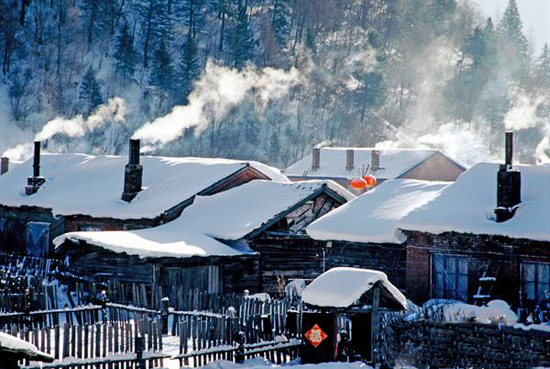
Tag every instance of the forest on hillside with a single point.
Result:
(269, 79)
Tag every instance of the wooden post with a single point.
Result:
(140, 347)
(164, 310)
(375, 322)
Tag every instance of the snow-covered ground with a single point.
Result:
(261, 363)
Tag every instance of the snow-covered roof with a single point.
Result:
(92, 185)
(233, 214)
(467, 206)
(344, 287)
(9, 343)
(167, 240)
(393, 162)
(373, 216)
(229, 215)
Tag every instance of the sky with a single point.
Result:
(535, 15)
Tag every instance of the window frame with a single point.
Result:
(449, 289)
(538, 290)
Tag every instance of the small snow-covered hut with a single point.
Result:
(356, 294)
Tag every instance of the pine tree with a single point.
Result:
(162, 73)
(280, 22)
(90, 91)
(440, 13)
(187, 69)
(243, 42)
(125, 56)
(543, 68)
(156, 24)
(193, 14)
(513, 47)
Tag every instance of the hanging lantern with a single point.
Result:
(370, 180)
(358, 183)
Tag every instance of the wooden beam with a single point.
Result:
(375, 321)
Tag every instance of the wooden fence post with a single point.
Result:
(140, 347)
(164, 310)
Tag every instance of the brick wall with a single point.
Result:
(481, 251)
(464, 345)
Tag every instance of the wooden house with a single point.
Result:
(249, 237)
(76, 192)
(343, 164)
(486, 236)
(364, 232)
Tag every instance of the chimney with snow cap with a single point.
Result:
(133, 173)
(316, 158)
(34, 182)
(508, 184)
(4, 165)
(350, 159)
(374, 160)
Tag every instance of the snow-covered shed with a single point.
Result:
(343, 288)
(457, 248)
(83, 192)
(342, 164)
(364, 233)
(244, 237)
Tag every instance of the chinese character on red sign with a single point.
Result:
(315, 335)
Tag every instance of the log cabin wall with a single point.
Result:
(286, 258)
(388, 258)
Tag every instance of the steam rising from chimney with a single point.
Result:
(217, 91)
(113, 110)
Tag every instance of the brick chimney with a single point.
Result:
(4, 165)
(508, 184)
(375, 160)
(315, 159)
(133, 173)
(350, 153)
(34, 182)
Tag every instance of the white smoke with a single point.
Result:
(19, 153)
(218, 91)
(455, 139)
(522, 115)
(112, 111)
(542, 152)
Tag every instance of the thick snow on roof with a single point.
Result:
(229, 215)
(395, 162)
(373, 216)
(343, 287)
(18, 346)
(233, 214)
(92, 185)
(467, 205)
(168, 240)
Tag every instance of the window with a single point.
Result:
(89, 228)
(535, 280)
(38, 238)
(450, 277)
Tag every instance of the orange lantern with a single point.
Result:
(370, 180)
(358, 183)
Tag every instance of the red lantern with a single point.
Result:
(358, 183)
(370, 180)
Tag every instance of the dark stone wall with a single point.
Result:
(481, 250)
(427, 344)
